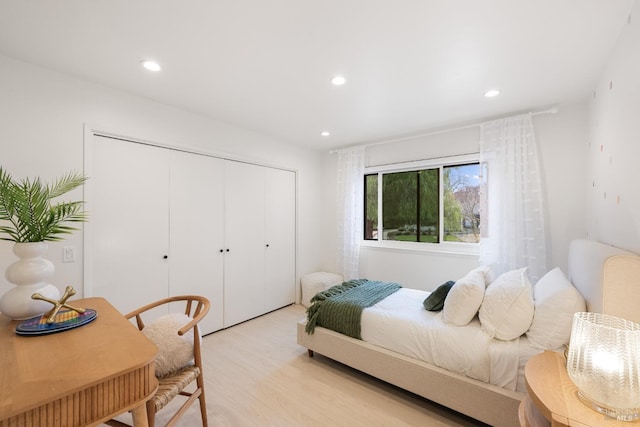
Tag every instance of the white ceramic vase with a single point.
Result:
(29, 274)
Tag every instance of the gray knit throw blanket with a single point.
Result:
(340, 307)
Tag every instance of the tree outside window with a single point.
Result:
(411, 203)
(462, 203)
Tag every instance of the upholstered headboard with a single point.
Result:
(607, 277)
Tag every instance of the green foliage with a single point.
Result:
(452, 213)
(401, 193)
(371, 198)
(452, 209)
(429, 180)
(399, 199)
(371, 205)
(412, 238)
(32, 216)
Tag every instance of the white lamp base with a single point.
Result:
(620, 414)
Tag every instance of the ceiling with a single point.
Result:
(411, 65)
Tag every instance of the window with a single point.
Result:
(461, 190)
(431, 204)
(371, 207)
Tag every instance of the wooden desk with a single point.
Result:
(556, 397)
(78, 377)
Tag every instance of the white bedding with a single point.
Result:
(400, 323)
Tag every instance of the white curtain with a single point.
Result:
(350, 210)
(512, 215)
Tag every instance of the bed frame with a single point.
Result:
(608, 278)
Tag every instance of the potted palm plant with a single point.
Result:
(30, 218)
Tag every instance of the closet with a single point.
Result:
(167, 222)
(259, 240)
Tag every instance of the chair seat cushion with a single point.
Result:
(174, 351)
(170, 386)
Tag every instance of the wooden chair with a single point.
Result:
(174, 384)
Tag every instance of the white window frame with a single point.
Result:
(442, 246)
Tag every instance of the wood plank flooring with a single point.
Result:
(256, 375)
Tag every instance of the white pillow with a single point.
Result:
(465, 297)
(174, 351)
(507, 308)
(556, 300)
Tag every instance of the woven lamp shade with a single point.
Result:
(604, 363)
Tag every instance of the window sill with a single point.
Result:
(447, 248)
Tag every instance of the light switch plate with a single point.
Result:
(69, 254)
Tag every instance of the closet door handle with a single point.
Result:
(221, 250)
(267, 245)
(165, 257)
(227, 249)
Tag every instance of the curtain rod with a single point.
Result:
(552, 110)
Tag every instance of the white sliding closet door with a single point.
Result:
(164, 222)
(197, 232)
(280, 237)
(244, 242)
(129, 222)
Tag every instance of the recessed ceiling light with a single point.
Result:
(491, 93)
(325, 133)
(338, 80)
(151, 65)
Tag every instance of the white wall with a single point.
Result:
(561, 140)
(613, 149)
(42, 114)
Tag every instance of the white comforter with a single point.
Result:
(400, 323)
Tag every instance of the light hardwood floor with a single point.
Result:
(257, 375)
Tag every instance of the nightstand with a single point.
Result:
(552, 397)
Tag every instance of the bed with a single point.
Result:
(606, 277)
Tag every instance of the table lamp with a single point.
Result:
(604, 363)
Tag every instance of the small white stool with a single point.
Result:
(313, 283)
